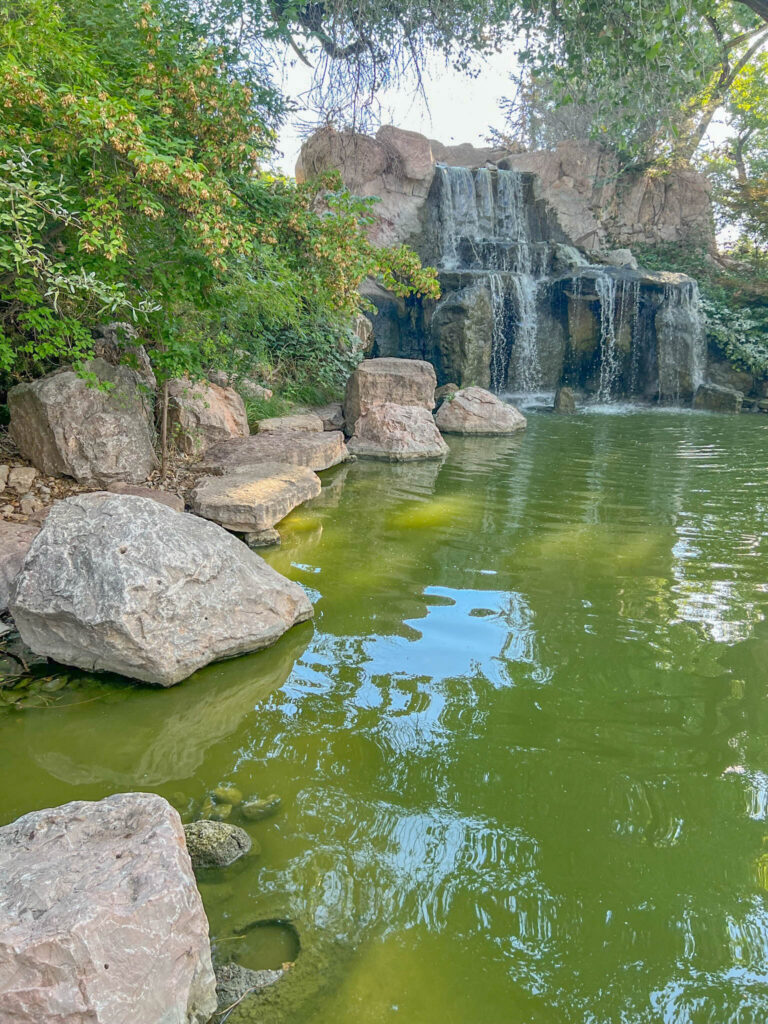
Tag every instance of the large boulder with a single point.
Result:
(394, 381)
(118, 583)
(397, 433)
(201, 414)
(476, 411)
(565, 401)
(254, 499)
(315, 451)
(65, 427)
(15, 542)
(715, 398)
(101, 921)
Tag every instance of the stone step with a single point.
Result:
(254, 498)
(316, 451)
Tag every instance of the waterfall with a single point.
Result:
(605, 286)
(680, 342)
(483, 229)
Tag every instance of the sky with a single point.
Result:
(461, 109)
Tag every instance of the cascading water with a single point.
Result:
(605, 286)
(483, 229)
(681, 342)
(523, 309)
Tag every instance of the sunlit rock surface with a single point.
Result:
(101, 921)
(118, 583)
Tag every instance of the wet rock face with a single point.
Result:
(714, 398)
(201, 414)
(118, 583)
(254, 499)
(66, 428)
(101, 921)
(406, 382)
(565, 401)
(397, 433)
(215, 844)
(476, 411)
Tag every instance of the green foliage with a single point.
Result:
(742, 337)
(132, 188)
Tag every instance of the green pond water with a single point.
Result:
(522, 751)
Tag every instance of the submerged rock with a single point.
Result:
(268, 538)
(714, 398)
(254, 498)
(257, 810)
(215, 844)
(375, 382)
(67, 428)
(201, 414)
(565, 401)
(117, 583)
(477, 411)
(101, 921)
(234, 983)
(398, 433)
(313, 450)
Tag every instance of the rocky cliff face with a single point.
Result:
(525, 305)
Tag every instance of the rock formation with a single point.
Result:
(101, 921)
(533, 295)
(117, 583)
(397, 433)
(201, 414)
(15, 541)
(476, 411)
(66, 427)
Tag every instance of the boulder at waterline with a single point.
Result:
(315, 451)
(477, 411)
(715, 398)
(117, 583)
(65, 427)
(101, 921)
(201, 414)
(299, 422)
(392, 381)
(398, 433)
(565, 401)
(215, 844)
(268, 538)
(254, 499)
(15, 542)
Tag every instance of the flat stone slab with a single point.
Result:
(300, 422)
(255, 498)
(101, 921)
(477, 411)
(316, 451)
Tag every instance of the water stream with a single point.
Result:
(522, 751)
